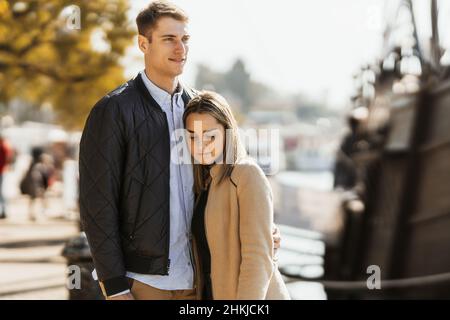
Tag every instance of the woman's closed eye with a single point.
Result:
(213, 135)
(193, 137)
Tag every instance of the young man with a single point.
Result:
(136, 203)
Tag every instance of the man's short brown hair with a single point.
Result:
(147, 18)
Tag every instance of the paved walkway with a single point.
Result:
(31, 265)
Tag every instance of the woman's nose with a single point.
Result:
(198, 145)
(201, 145)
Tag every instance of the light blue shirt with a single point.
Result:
(181, 274)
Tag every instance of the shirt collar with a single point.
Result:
(159, 94)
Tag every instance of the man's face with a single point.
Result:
(167, 51)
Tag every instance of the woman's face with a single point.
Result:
(206, 138)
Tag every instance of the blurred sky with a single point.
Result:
(296, 46)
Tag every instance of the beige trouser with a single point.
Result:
(142, 291)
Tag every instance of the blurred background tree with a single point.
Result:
(62, 53)
(235, 83)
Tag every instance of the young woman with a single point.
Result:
(233, 215)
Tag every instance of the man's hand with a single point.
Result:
(276, 241)
(126, 296)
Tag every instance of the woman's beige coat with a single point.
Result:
(238, 224)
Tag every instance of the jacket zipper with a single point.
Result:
(168, 267)
(168, 236)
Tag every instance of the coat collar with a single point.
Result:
(216, 171)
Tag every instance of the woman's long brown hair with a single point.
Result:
(208, 102)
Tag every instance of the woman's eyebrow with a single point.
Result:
(204, 131)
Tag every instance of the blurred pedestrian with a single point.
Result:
(5, 159)
(37, 180)
(344, 170)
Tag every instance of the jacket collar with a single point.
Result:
(160, 95)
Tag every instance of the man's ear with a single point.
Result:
(143, 43)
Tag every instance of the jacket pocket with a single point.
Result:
(132, 204)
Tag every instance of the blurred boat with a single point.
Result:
(399, 219)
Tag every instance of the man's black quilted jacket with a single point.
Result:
(124, 185)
